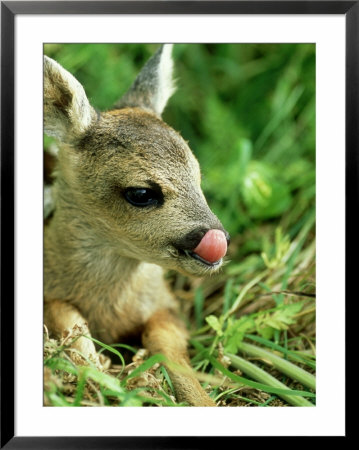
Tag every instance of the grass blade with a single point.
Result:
(102, 379)
(168, 379)
(108, 348)
(290, 396)
(244, 291)
(56, 363)
(198, 307)
(145, 366)
(273, 386)
(286, 367)
(289, 353)
(81, 383)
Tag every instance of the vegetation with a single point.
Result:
(248, 112)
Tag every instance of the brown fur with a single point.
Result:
(103, 256)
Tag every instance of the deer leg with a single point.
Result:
(165, 334)
(64, 320)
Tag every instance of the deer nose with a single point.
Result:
(213, 246)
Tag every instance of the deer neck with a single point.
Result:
(77, 256)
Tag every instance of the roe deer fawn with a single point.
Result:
(128, 203)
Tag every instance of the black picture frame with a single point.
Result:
(9, 10)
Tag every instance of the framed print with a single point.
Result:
(266, 96)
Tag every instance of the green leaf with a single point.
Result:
(264, 194)
(280, 319)
(215, 324)
(235, 331)
(281, 247)
(266, 332)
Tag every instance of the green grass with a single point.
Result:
(248, 112)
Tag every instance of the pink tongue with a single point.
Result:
(213, 246)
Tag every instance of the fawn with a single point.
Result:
(128, 204)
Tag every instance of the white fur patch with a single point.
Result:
(49, 202)
(166, 85)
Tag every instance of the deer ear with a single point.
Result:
(154, 84)
(67, 111)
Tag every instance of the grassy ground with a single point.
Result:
(248, 112)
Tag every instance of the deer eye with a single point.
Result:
(142, 197)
